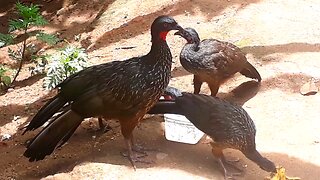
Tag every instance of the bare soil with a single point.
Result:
(281, 39)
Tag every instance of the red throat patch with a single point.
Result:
(167, 97)
(163, 35)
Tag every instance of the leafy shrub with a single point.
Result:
(63, 64)
(4, 79)
(28, 16)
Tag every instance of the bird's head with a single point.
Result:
(267, 165)
(162, 25)
(190, 35)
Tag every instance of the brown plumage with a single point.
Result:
(213, 61)
(229, 125)
(123, 90)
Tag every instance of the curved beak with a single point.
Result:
(180, 32)
(179, 27)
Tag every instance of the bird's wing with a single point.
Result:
(223, 57)
(109, 89)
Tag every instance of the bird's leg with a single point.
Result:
(131, 156)
(139, 148)
(196, 84)
(127, 127)
(231, 163)
(217, 152)
(103, 127)
(214, 87)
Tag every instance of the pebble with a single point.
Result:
(5, 137)
(309, 88)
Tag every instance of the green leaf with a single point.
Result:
(63, 64)
(30, 16)
(2, 70)
(39, 21)
(6, 80)
(27, 12)
(17, 24)
(5, 39)
(48, 38)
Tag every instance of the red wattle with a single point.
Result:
(163, 35)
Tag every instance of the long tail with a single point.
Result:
(163, 107)
(261, 161)
(60, 130)
(251, 72)
(45, 113)
(168, 106)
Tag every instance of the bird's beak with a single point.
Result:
(180, 32)
(178, 27)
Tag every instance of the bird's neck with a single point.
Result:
(195, 46)
(160, 51)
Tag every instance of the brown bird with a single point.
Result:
(213, 61)
(229, 125)
(123, 90)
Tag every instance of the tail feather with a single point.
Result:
(251, 72)
(45, 113)
(163, 107)
(60, 130)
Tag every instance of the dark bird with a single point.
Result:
(213, 61)
(228, 125)
(123, 90)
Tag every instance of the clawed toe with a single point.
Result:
(134, 158)
(232, 175)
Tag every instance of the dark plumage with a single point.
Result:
(228, 125)
(123, 90)
(213, 61)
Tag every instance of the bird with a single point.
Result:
(212, 61)
(228, 125)
(123, 90)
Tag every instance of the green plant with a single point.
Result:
(5, 80)
(29, 16)
(63, 64)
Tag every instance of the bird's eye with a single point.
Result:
(165, 25)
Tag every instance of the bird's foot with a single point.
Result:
(134, 158)
(140, 149)
(106, 129)
(230, 163)
(227, 173)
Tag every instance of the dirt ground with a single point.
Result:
(281, 39)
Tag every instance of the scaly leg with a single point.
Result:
(217, 152)
(133, 157)
(214, 87)
(196, 84)
(127, 126)
(103, 127)
(139, 148)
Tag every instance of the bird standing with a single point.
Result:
(229, 126)
(123, 90)
(213, 61)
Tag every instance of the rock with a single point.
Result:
(5, 137)
(309, 88)
(161, 156)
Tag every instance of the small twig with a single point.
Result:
(125, 47)
(99, 56)
(22, 55)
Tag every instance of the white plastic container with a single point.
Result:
(179, 129)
